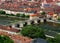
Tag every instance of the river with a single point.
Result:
(50, 28)
(4, 20)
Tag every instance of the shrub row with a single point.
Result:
(17, 15)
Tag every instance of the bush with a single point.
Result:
(58, 18)
(22, 15)
(43, 13)
(2, 12)
(7, 14)
(17, 15)
(5, 39)
(57, 39)
(51, 40)
(12, 14)
(54, 40)
(33, 32)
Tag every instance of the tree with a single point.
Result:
(27, 16)
(54, 40)
(51, 40)
(43, 13)
(33, 32)
(57, 39)
(5, 39)
(7, 14)
(2, 12)
(12, 14)
(22, 15)
(17, 15)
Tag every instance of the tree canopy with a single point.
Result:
(18, 15)
(33, 32)
(22, 15)
(51, 40)
(5, 39)
(2, 12)
(57, 39)
(43, 13)
(27, 16)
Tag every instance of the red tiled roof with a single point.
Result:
(50, 13)
(49, 1)
(33, 15)
(8, 28)
(16, 6)
(17, 38)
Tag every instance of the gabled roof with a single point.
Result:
(33, 15)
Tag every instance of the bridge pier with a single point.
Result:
(38, 21)
(10, 26)
(13, 26)
(45, 20)
(42, 20)
(17, 25)
(32, 22)
(28, 23)
(21, 24)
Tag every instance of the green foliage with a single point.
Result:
(17, 15)
(7, 14)
(58, 18)
(27, 16)
(2, 12)
(54, 40)
(33, 32)
(51, 40)
(43, 13)
(12, 14)
(5, 39)
(57, 39)
(22, 15)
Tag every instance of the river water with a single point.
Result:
(8, 20)
(50, 28)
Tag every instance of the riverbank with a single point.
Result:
(12, 16)
(4, 20)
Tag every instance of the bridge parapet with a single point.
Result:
(27, 22)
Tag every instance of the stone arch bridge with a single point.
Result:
(19, 25)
